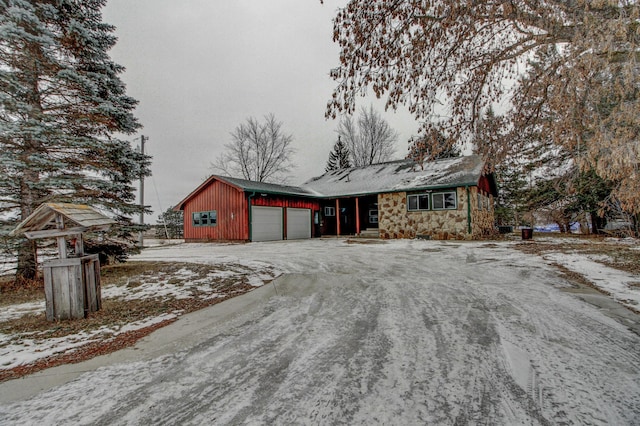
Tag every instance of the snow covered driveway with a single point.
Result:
(402, 332)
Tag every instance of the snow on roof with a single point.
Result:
(402, 175)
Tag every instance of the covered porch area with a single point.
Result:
(356, 216)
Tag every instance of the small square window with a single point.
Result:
(205, 218)
(444, 201)
(418, 202)
(423, 202)
(450, 200)
(329, 211)
(412, 202)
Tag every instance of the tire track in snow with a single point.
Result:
(398, 333)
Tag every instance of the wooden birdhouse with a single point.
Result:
(71, 282)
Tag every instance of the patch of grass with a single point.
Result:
(115, 312)
(14, 292)
(577, 278)
(619, 256)
(364, 241)
(121, 273)
(134, 284)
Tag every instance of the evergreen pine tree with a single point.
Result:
(61, 104)
(338, 157)
(170, 224)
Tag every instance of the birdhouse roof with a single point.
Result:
(75, 217)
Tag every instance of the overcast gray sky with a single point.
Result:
(199, 68)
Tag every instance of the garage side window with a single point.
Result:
(329, 211)
(209, 218)
(444, 201)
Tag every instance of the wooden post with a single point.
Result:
(79, 245)
(357, 217)
(62, 244)
(337, 217)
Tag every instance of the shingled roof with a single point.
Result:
(401, 175)
(268, 188)
(394, 176)
(249, 186)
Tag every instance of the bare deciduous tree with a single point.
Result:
(259, 152)
(431, 146)
(369, 140)
(569, 70)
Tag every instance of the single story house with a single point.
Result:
(443, 199)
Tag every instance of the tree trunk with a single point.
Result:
(30, 195)
(597, 223)
(27, 261)
(27, 253)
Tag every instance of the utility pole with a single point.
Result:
(141, 237)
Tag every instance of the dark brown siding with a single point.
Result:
(230, 204)
(485, 185)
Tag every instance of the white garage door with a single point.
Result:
(266, 223)
(298, 224)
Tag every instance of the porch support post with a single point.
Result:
(357, 216)
(337, 217)
(468, 211)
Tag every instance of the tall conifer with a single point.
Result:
(61, 104)
(338, 157)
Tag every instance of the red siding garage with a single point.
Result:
(219, 210)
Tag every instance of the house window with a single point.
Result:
(373, 216)
(418, 202)
(444, 201)
(329, 211)
(209, 218)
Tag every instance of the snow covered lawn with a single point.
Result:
(610, 265)
(390, 332)
(162, 285)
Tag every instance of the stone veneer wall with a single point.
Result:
(482, 223)
(395, 221)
